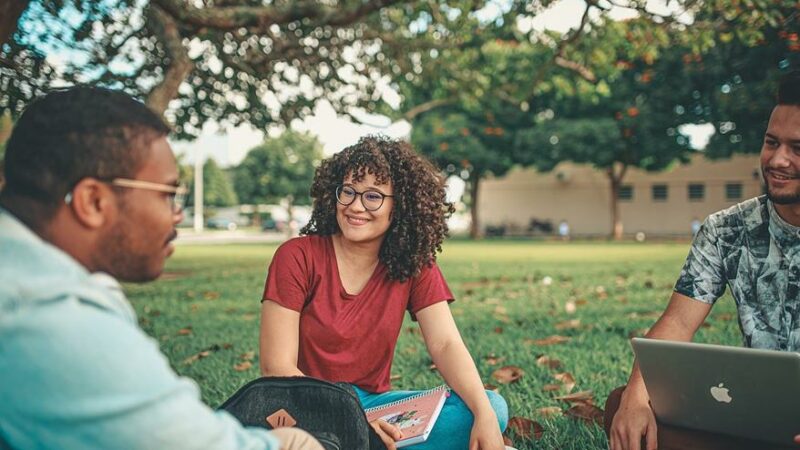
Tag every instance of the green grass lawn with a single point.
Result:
(208, 301)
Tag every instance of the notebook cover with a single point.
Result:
(415, 415)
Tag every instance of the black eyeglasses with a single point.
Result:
(371, 199)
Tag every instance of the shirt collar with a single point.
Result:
(785, 233)
(99, 289)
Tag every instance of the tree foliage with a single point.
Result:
(282, 168)
(218, 188)
(247, 61)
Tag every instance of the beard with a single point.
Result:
(130, 256)
(781, 198)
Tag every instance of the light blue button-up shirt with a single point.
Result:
(77, 372)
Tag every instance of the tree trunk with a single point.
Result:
(10, 12)
(166, 29)
(474, 227)
(615, 179)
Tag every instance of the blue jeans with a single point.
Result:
(452, 428)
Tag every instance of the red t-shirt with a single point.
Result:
(345, 337)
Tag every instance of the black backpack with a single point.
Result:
(331, 412)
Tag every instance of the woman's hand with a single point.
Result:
(486, 433)
(387, 432)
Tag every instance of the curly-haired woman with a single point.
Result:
(335, 298)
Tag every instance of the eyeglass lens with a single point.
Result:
(371, 200)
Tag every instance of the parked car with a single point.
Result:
(270, 224)
(222, 223)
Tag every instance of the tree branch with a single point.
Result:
(427, 106)
(581, 70)
(262, 17)
(10, 12)
(166, 29)
(559, 59)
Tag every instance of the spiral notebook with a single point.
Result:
(415, 415)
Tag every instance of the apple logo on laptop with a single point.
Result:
(720, 393)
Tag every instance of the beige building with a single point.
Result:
(660, 203)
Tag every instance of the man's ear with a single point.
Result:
(92, 202)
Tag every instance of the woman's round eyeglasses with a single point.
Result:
(371, 199)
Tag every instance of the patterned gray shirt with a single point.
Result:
(749, 247)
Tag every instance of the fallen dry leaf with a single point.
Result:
(493, 360)
(498, 330)
(570, 307)
(242, 366)
(247, 356)
(185, 331)
(507, 441)
(551, 387)
(566, 379)
(586, 412)
(578, 397)
(725, 316)
(433, 367)
(568, 324)
(196, 357)
(549, 411)
(548, 362)
(490, 387)
(507, 374)
(525, 428)
(551, 340)
(395, 377)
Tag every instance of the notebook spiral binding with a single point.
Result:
(443, 387)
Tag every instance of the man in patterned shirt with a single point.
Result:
(753, 247)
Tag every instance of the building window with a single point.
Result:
(625, 192)
(660, 192)
(733, 191)
(697, 191)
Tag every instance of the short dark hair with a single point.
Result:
(789, 89)
(74, 133)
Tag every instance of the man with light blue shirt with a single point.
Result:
(91, 196)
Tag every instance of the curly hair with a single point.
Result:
(421, 209)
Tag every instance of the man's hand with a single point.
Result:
(486, 434)
(633, 419)
(387, 432)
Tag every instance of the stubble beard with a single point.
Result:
(781, 199)
(124, 259)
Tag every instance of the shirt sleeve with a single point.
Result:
(703, 277)
(75, 376)
(428, 288)
(287, 278)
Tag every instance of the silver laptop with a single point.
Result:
(731, 390)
